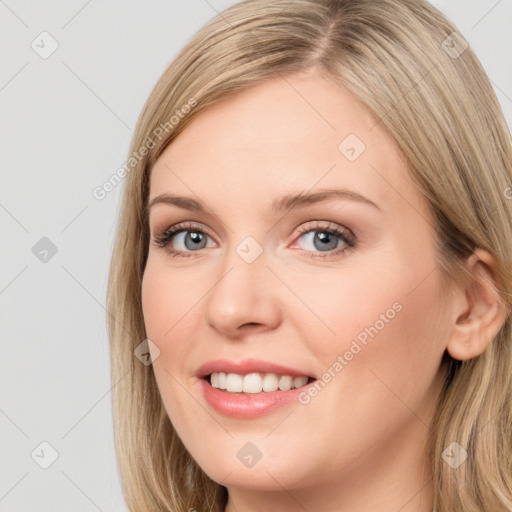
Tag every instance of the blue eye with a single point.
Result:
(323, 240)
(194, 238)
(326, 240)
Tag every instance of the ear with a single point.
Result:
(479, 310)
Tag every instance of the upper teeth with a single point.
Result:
(255, 382)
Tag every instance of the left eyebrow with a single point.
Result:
(293, 201)
(283, 204)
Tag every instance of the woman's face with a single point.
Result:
(258, 277)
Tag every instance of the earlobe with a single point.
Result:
(482, 312)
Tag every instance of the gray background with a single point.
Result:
(66, 124)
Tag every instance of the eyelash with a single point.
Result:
(164, 237)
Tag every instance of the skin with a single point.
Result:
(358, 444)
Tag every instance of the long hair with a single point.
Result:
(406, 63)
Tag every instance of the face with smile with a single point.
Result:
(344, 284)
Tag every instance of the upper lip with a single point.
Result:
(247, 366)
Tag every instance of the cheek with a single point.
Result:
(382, 361)
(164, 309)
(162, 306)
(166, 298)
(384, 318)
(171, 304)
(154, 303)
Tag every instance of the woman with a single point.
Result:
(341, 340)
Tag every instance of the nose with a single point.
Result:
(244, 298)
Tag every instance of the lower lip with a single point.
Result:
(248, 405)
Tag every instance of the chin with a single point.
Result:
(257, 479)
(266, 474)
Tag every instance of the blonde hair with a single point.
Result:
(404, 61)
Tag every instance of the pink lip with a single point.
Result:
(248, 405)
(247, 366)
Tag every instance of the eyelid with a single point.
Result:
(179, 227)
(347, 237)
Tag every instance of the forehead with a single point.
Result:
(288, 134)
